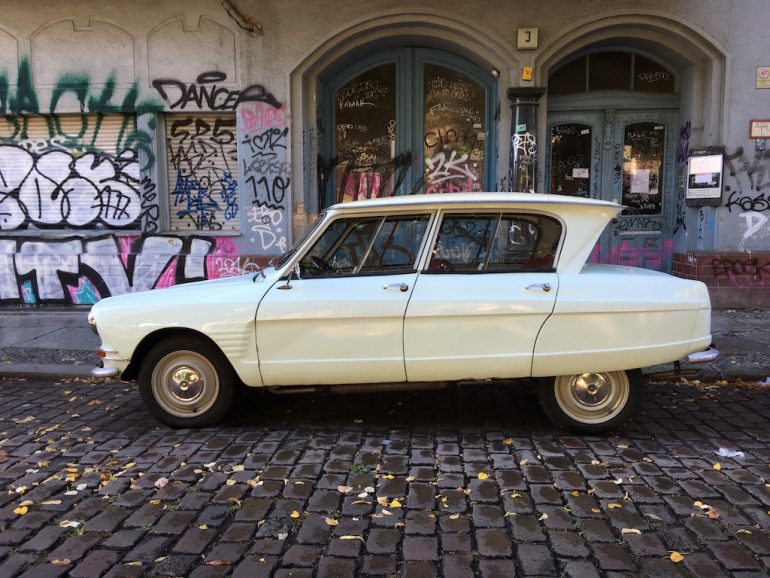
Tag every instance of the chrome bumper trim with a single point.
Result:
(710, 354)
(105, 372)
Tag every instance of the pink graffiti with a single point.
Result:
(458, 186)
(260, 115)
(224, 260)
(125, 249)
(167, 278)
(624, 254)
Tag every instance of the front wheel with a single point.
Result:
(186, 382)
(592, 402)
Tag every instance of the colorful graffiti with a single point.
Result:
(203, 167)
(266, 172)
(78, 270)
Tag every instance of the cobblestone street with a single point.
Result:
(469, 481)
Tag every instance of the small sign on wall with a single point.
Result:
(526, 38)
(759, 128)
(763, 77)
(704, 177)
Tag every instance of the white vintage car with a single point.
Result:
(413, 292)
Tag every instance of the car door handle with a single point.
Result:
(403, 287)
(544, 286)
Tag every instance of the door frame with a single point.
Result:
(608, 122)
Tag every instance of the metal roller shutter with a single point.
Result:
(69, 171)
(202, 172)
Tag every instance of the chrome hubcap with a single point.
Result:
(592, 397)
(186, 384)
(591, 389)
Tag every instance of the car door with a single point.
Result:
(487, 289)
(342, 321)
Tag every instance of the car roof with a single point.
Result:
(453, 199)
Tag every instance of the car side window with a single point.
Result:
(367, 245)
(396, 245)
(495, 242)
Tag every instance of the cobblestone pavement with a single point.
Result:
(470, 481)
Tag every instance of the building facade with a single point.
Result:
(145, 144)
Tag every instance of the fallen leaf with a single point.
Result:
(294, 514)
(135, 563)
(676, 557)
(24, 420)
(27, 503)
(346, 537)
(523, 462)
(544, 516)
(203, 527)
(161, 483)
(655, 517)
(50, 503)
(239, 468)
(155, 501)
(230, 483)
(508, 441)
(630, 531)
(515, 495)
(128, 466)
(717, 466)
(712, 513)
(410, 478)
(69, 524)
(483, 476)
(394, 504)
(331, 522)
(454, 517)
(361, 502)
(386, 512)
(614, 506)
(388, 477)
(282, 535)
(344, 489)
(64, 562)
(743, 531)
(21, 510)
(217, 562)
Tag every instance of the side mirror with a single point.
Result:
(294, 272)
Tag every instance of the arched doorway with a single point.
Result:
(407, 120)
(612, 117)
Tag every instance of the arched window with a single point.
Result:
(407, 121)
(612, 70)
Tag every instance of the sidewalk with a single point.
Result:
(57, 342)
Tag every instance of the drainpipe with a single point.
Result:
(523, 168)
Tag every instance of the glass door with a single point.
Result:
(625, 157)
(407, 121)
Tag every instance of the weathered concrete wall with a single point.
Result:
(88, 209)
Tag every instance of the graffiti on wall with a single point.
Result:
(78, 270)
(749, 186)
(206, 93)
(203, 161)
(57, 188)
(748, 272)
(266, 173)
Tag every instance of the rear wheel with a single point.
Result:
(186, 382)
(592, 402)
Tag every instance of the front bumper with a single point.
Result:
(105, 372)
(706, 356)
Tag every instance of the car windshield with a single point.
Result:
(283, 259)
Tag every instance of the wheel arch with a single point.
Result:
(152, 339)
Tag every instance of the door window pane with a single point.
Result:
(397, 245)
(609, 71)
(649, 76)
(571, 159)
(525, 243)
(454, 131)
(463, 243)
(365, 137)
(643, 146)
(495, 243)
(570, 78)
(341, 248)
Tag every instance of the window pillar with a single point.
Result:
(522, 174)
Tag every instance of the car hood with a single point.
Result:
(250, 288)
